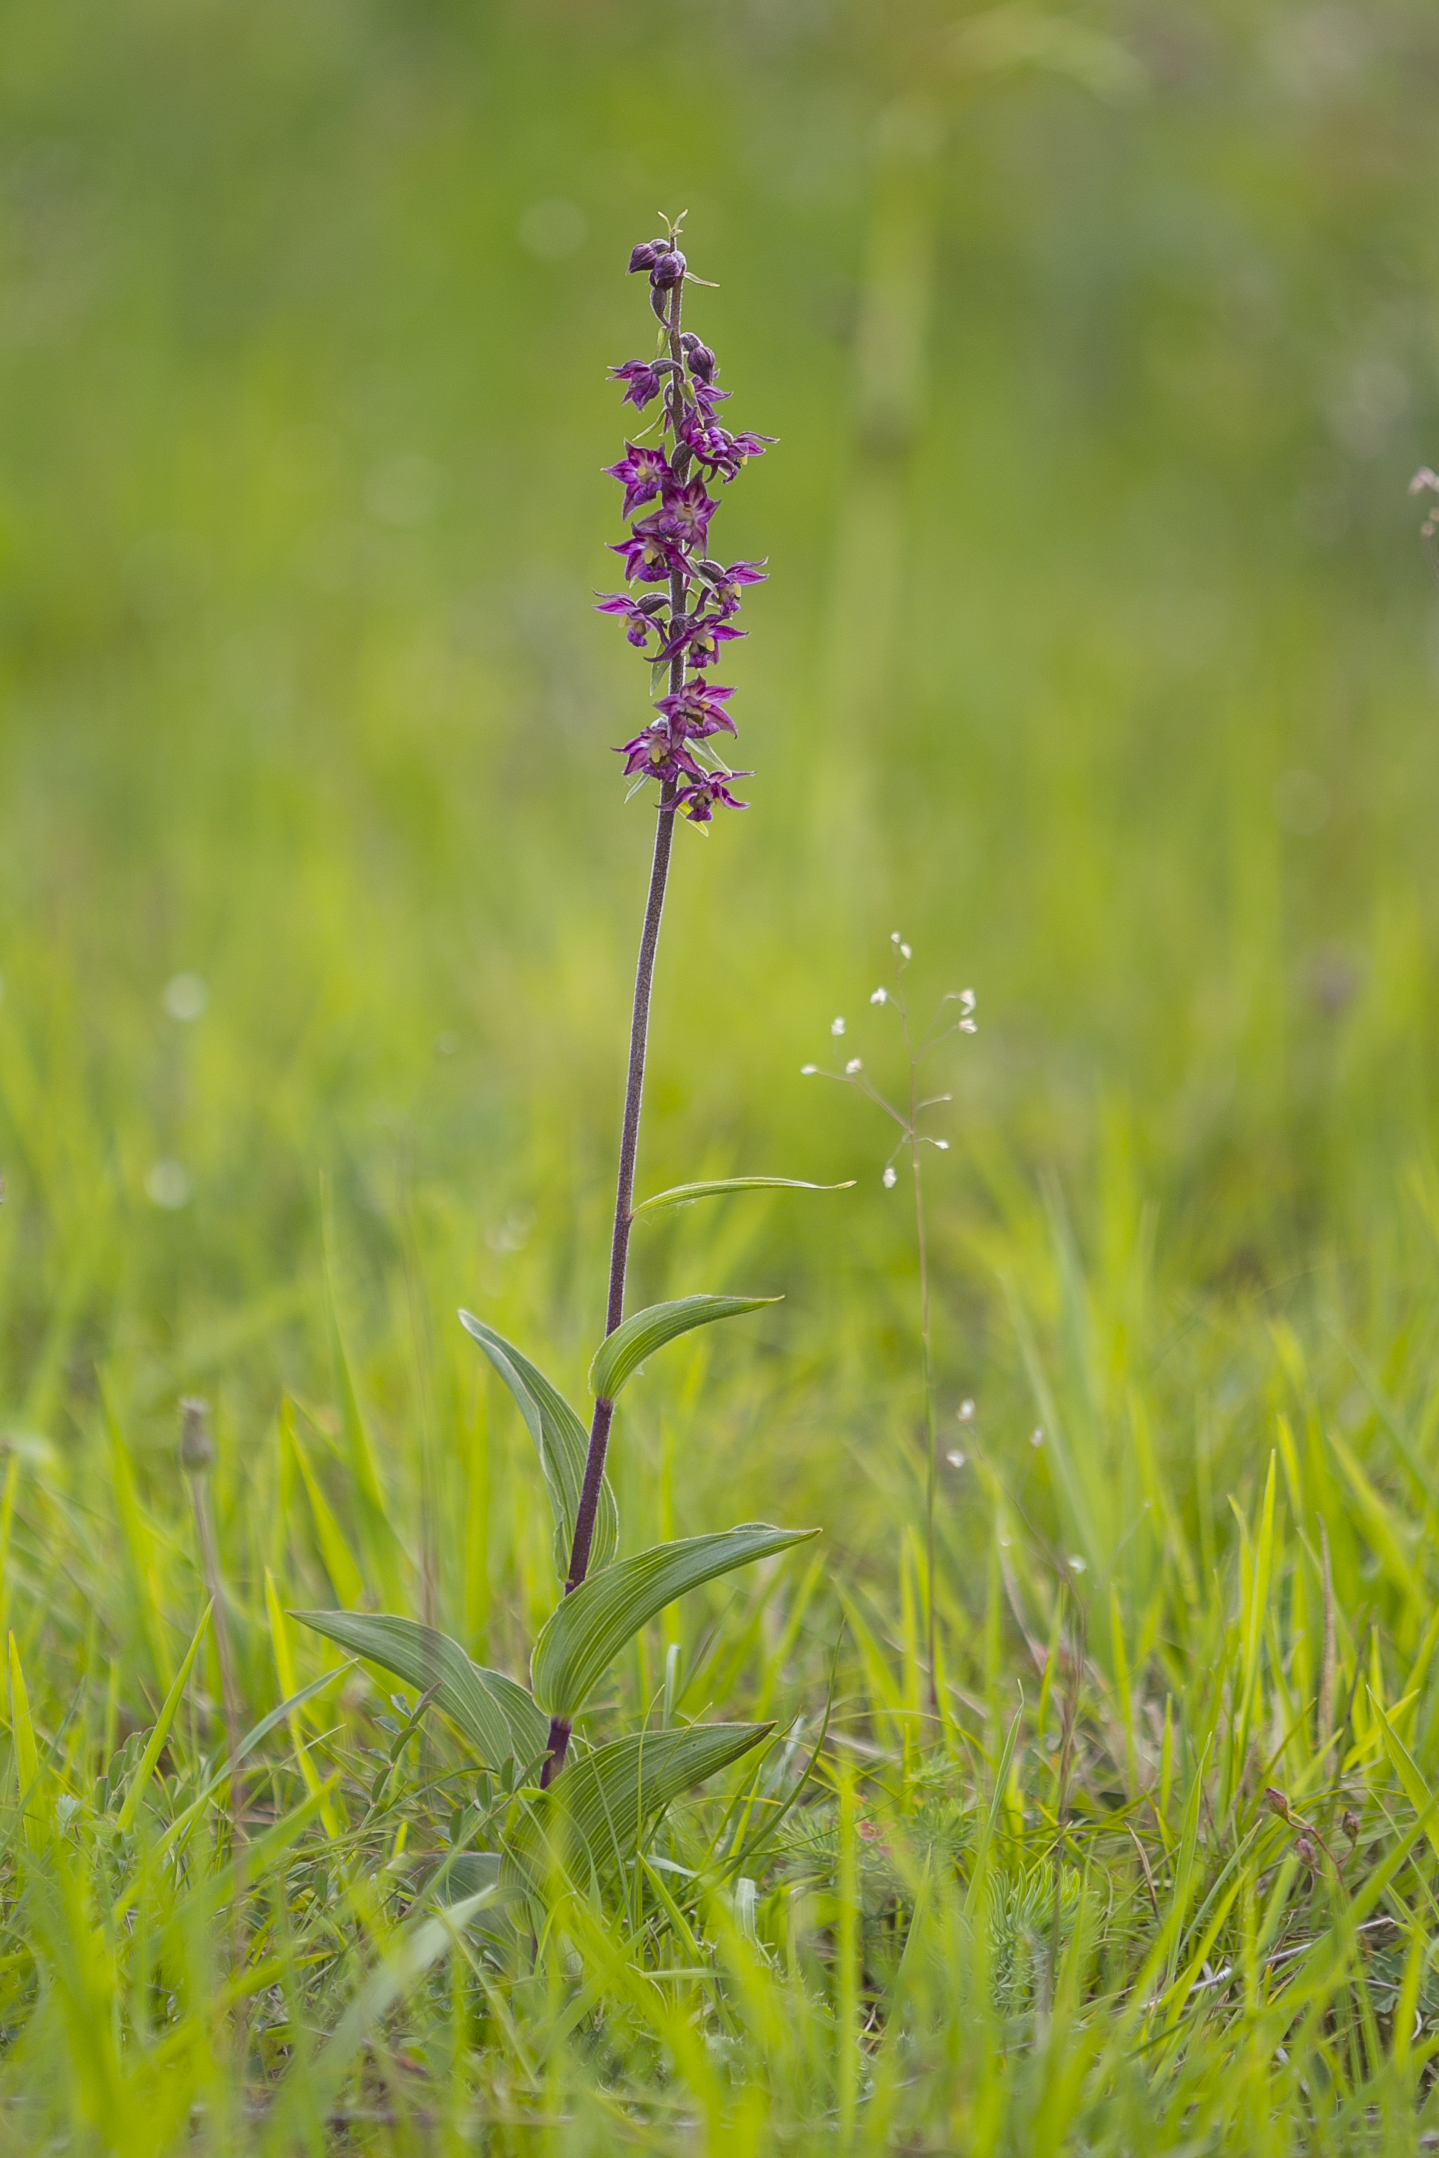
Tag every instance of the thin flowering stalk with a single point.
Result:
(667, 546)
(912, 1139)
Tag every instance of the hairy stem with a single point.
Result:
(634, 1090)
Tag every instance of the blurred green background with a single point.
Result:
(1099, 657)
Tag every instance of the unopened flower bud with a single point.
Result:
(1305, 1852)
(702, 363)
(645, 256)
(197, 1447)
(1276, 1801)
(667, 268)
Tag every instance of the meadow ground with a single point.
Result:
(1099, 657)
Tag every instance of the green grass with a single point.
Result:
(1099, 657)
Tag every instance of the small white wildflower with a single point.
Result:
(969, 1026)
(894, 936)
(955, 1458)
(807, 1071)
(852, 1067)
(1004, 1543)
(1077, 1565)
(966, 998)
(185, 996)
(1036, 1438)
(891, 1177)
(881, 996)
(965, 1412)
(942, 1144)
(905, 952)
(836, 1027)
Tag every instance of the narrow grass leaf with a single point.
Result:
(620, 1355)
(162, 1728)
(345, 1577)
(1406, 1768)
(27, 1758)
(561, 1442)
(591, 1626)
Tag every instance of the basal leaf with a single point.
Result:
(622, 1352)
(593, 1812)
(717, 1187)
(497, 1716)
(561, 1441)
(580, 1639)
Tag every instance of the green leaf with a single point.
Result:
(562, 1443)
(621, 1353)
(716, 1187)
(586, 1632)
(162, 1727)
(596, 1808)
(496, 1715)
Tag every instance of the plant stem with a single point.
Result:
(634, 1086)
(929, 1477)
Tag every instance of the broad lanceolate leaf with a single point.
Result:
(580, 1638)
(496, 1715)
(623, 1351)
(592, 1814)
(562, 1443)
(717, 1187)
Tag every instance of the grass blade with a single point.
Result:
(161, 1731)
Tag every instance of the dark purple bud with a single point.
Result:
(702, 362)
(668, 268)
(646, 255)
(659, 301)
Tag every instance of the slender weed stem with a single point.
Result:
(911, 1137)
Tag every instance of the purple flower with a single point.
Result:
(697, 800)
(639, 615)
(697, 709)
(668, 479)
(650, 553)
(687, 511)
(720, 450)
(659, 755)
(642, 471)
(706, 397)
(699, 638)
(725, 583)
(644, 380)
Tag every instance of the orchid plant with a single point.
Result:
(559, 1803)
